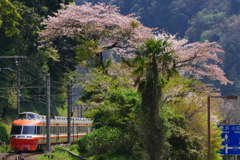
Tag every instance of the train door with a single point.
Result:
(57, 128)
(77, 130)
(43, 132)
(86, 128)
(73, 130)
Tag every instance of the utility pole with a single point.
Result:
(48, 112)
(17, 61)
(69, 111)
(18, 85)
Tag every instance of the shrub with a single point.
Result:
(4, 137)
(101, 141)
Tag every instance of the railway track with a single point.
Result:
(73, 154)
(22, 156)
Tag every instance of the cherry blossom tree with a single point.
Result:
(100, 28)
(197, 60)
(97, 28)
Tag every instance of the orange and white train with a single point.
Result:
(29, 131)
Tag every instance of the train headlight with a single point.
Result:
(29, 137)
(20, 136)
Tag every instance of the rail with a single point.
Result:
(72, 154)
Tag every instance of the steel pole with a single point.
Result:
(69, 111)
(209, 131)
(18, 86)
(48, 113)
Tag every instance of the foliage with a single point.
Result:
(216, 142)
(103, 140)
(58, 155)
(4, 137)
(9, 18)
(108, 142)
(96, 85)
(113, 105)
(188, 99)
(155, 57)
(184, 145)
(117, 109)
(33, 68)
(219, 22)
(5, 148)
(22, 44)
(100, 87)
(151, 83)
(73, 148)
(45, 7)
(210, 20)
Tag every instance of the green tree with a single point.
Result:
(36, 65)
(184, 144)
(116, 114)
(187, 99)
(114, 104)
(152, 60)
(9, 18)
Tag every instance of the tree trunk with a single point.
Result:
(152, 123)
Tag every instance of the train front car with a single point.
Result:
(24, 134)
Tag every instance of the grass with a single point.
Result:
(61, 155)
(4, 148)
(58, 155)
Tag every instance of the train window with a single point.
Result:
(38, 130)
(83, 129)
(53, 129)
(28, 116)
(33, 116)
(16, 130)
(42, 130)
(29, 130)
(22, 116)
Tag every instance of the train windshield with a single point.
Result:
(16, 130)
(29, 130)
(28, 116)
(24, 130)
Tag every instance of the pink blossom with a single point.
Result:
(100, 22)
(197, 59)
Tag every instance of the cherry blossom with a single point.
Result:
(197, 59)
(98, 22)
(122, 34)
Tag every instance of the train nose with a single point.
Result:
(23, 144)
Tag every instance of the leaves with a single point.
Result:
(9, 18)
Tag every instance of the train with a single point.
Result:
(28, 131)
